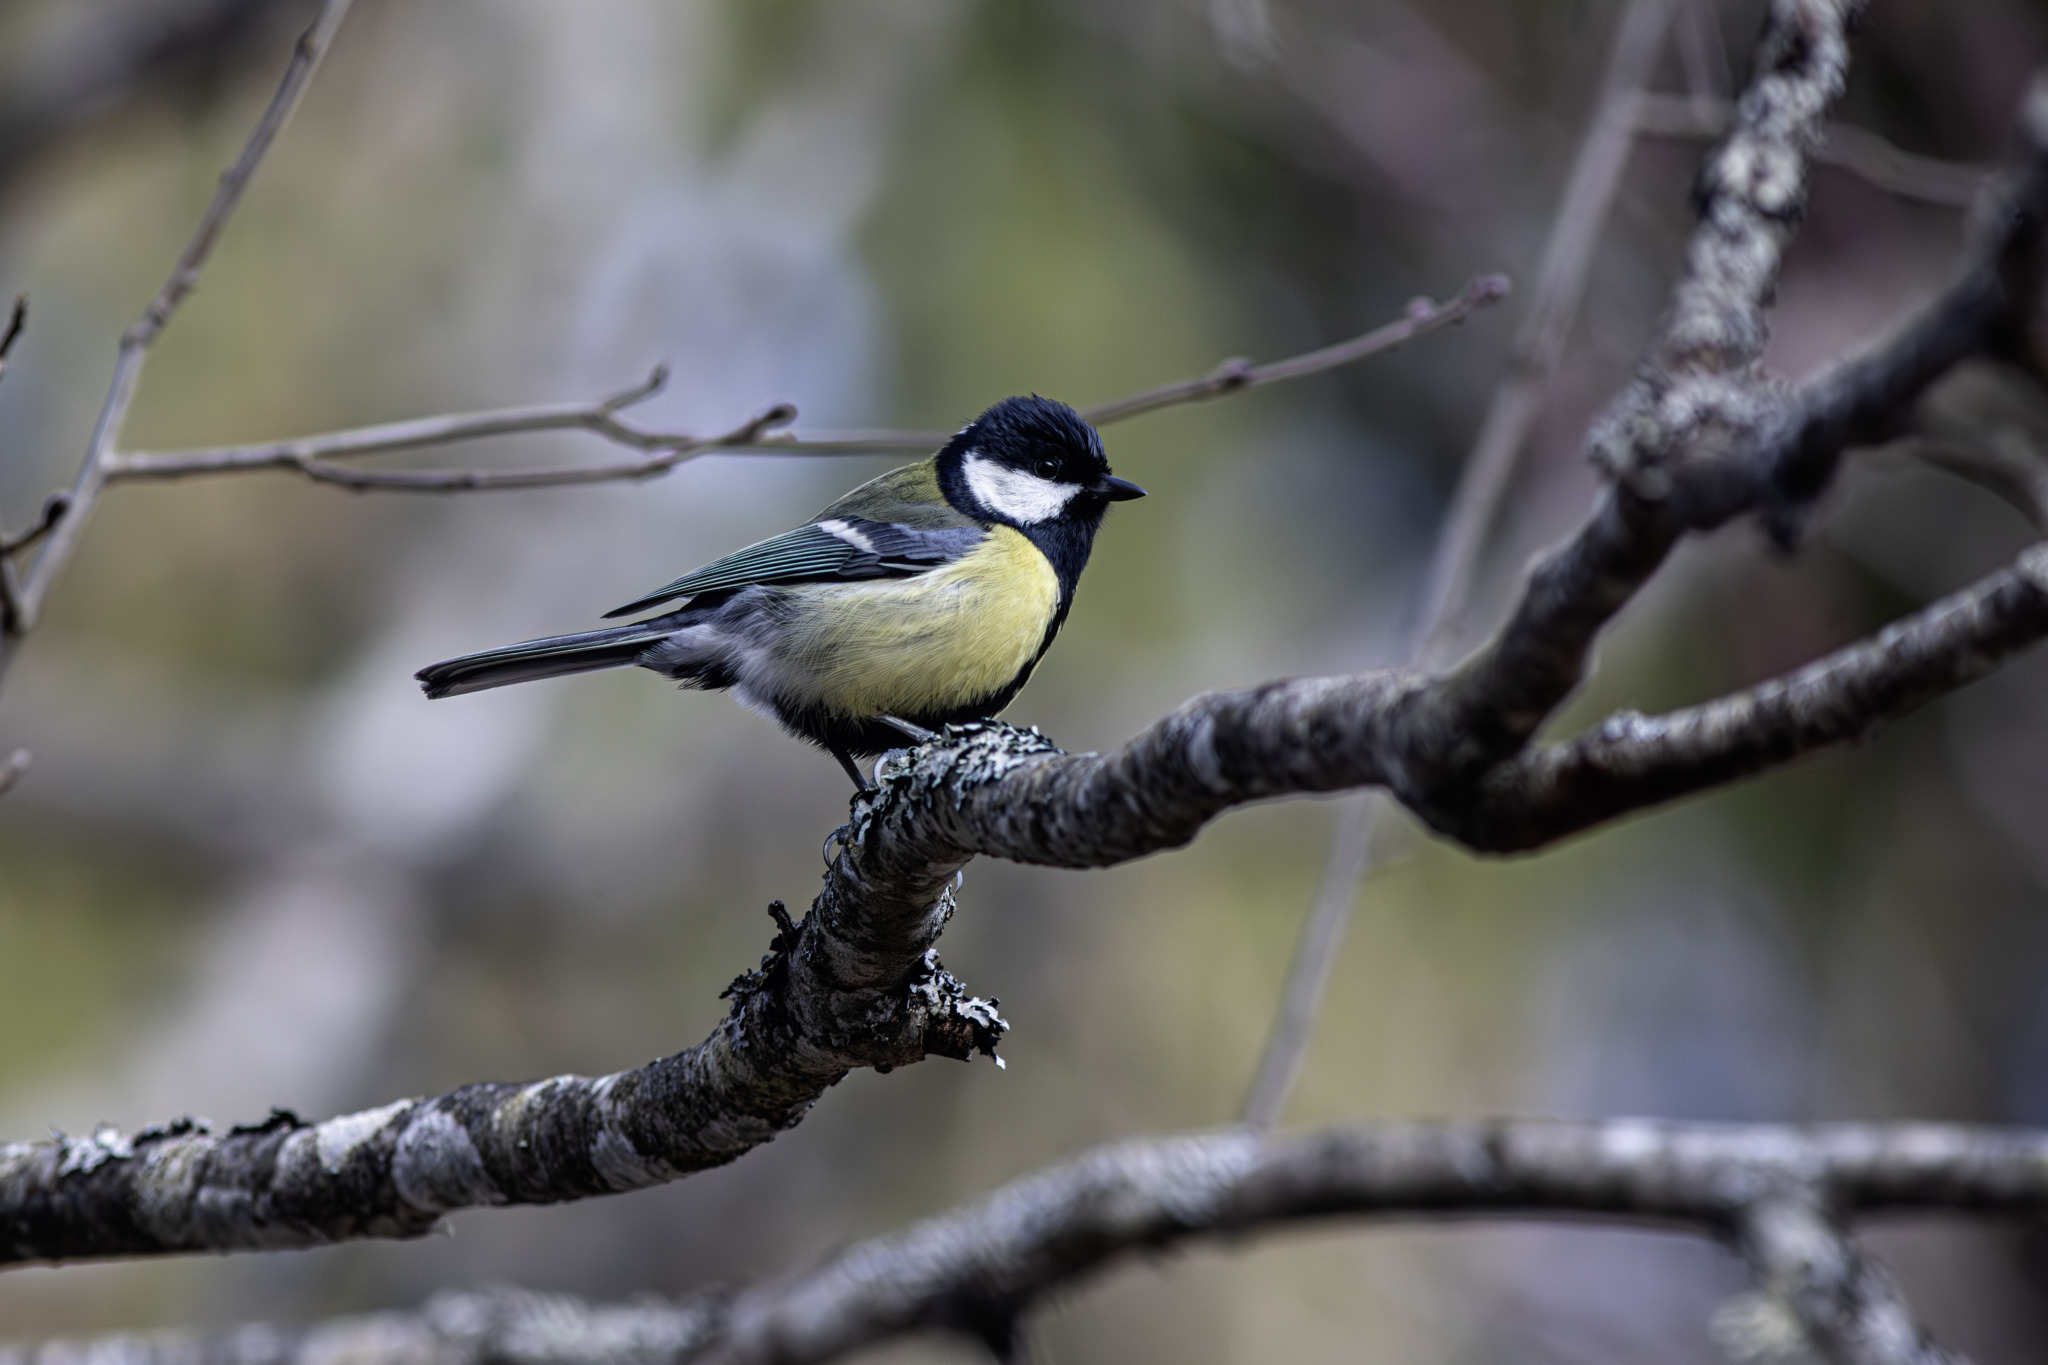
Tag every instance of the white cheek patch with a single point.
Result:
(1023, 498)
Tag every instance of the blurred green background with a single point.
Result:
(252, 867)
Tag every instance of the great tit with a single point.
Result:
(923, 597)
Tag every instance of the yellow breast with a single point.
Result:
(923, 645)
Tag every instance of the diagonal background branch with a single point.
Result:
(1539, 345)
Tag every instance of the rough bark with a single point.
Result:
(1779, 1194)
(815, 1009)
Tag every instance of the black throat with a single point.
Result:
(1065, 542)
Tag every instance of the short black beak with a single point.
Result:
(1117, 490)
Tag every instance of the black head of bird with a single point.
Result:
(923, 597)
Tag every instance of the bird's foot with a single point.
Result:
(860, 780)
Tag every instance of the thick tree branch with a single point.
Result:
(314, 456)
(820, 1005)
(1632, 761)
(1778, 1192)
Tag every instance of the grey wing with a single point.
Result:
(833, 549)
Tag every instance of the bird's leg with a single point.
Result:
(916, 732)
(852, 769)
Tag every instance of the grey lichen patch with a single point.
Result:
(963, 757)
(956, 1024)
(436, 1167)
(621, 1165)
(83, 1155)
(338, 1139)
(771, 976)
(514, 1115)
(1756, 1328)
(162, 1193)
(2032, 566)
(1202, 758)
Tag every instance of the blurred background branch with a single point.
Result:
(1475, 504)
(313, 456)
(1785, 1195)
(25, 601)
(1855, 150)
(99, 67)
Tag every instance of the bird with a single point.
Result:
(922, 598)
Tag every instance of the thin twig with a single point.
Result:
(1553, 306)
(1858, 151)
(313, 455)
(17, 322)
(1701, 53)
(54, 508)
(10, 578)
(1315, 957)
(1560, 282)
(668, 456)
(136, 342)
(1233, 376)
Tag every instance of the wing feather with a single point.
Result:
(838, 549)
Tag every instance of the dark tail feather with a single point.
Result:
(550, 658)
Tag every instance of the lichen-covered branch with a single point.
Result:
(819, 1006)
(1328, 734)
(1632, 761)
(1819, 1296)
(1778, 1193)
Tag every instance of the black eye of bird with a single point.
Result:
(1047, 467)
